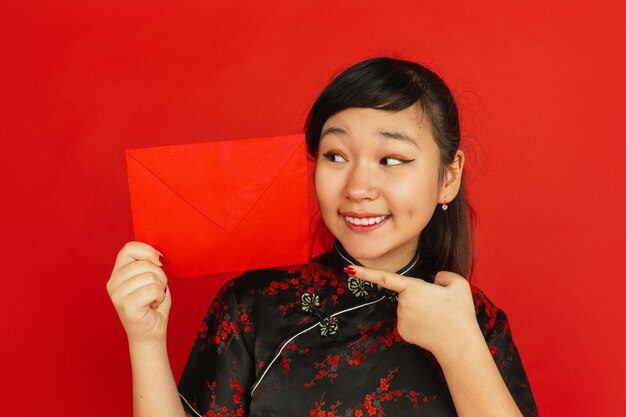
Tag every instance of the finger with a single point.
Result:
(134, 251)
(147, 296)
(130, 271)
(137, 268)
(167, 301)
(148, 278)
(384, 279)
(445, 278)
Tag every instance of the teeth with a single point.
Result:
(364, 221)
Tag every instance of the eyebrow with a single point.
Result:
(333, 130)
(398, 136)
(385, 134)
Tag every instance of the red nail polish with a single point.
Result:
(349, 270)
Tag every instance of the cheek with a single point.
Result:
(415, 196)
(324, 190)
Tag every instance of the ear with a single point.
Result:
(452, 178)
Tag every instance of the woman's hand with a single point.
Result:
(138, 290)
(438, 317)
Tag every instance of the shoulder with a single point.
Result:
(490, 317)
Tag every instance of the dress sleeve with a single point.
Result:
(497, 332)
(220, 370)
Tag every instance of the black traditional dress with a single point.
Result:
(309, 340)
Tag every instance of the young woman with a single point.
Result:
(385, 323)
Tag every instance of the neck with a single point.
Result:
(389, 263)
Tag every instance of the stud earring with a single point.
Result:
(444, 206)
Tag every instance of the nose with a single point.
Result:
(361, 183)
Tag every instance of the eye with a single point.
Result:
(334, 157)
(391, 161)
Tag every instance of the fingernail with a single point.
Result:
(349, 270)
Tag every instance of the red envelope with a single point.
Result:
(222, 206)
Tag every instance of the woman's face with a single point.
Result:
(377, 183)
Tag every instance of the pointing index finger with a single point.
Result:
(389, 280)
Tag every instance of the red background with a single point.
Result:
(541, 89)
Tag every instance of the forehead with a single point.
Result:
(408, 125)
(410, 116)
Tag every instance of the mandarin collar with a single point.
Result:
(412, 269)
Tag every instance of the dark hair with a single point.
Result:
(446, 243)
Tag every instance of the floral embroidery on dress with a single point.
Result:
(327, 369)
(482, 303)
(225, 326)
(319, 411)
(358, 287)
(374, 338)
(373, 403)
(311, 278)
(238, 407)
(285, 360)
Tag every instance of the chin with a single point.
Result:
(363, 251)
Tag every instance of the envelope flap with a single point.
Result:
(222, 180)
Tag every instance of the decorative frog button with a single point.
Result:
(309, 301)
(359, 287)
(391, 296)
(329, 326)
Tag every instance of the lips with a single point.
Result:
(364, 221)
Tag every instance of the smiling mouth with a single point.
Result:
(364, 221)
